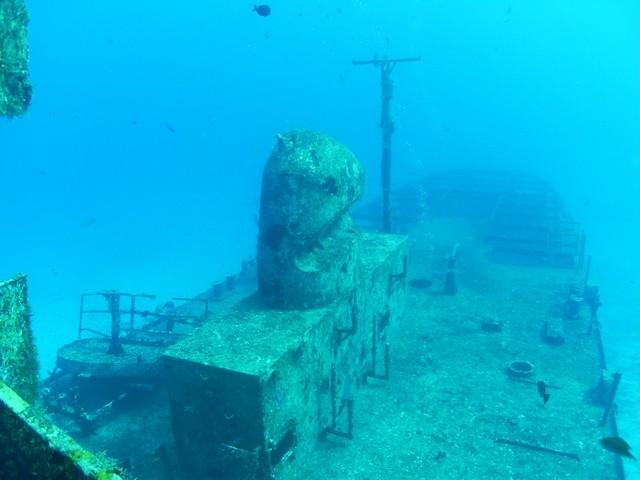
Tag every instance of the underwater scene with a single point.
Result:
(300, 240)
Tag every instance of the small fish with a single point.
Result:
(542, 391)
(617, 445)
(420, 283)
(87, 222)
(262, 10)
(491, 325)
(169, 127)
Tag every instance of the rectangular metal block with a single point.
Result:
(256, 384)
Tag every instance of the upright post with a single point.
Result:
(113, 299)
(586, 275)
(386, 124)
(81, 314)
(611, 399)
(450, 275)
(132, 313)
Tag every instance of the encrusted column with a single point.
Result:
(307, 246)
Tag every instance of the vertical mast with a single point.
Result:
(386, 124)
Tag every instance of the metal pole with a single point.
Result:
(386, 124)
(81, 313)
(132, 313)
(586, 275)
(113, 299)
(610, 401)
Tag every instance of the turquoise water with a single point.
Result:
(138, 164)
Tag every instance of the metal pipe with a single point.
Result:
(114, 305)
(600, 345)
(81, 312)
(91, 330)
(132, 312)
(586, 276)
(386, 124)
(612, 396)
(537, 448)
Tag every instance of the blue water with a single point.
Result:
(138, 164)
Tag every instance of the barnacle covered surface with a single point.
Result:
(18, 360)
(31, 447)
(15, 89)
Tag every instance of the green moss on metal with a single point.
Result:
(31, 447)
(15, 89)
(18, 359)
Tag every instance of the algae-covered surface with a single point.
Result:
(18, 360)
(90, 356)
(449, 398)
(15, 89)
(247, 339)
(31, 447)
(250, 338)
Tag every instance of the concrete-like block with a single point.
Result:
(258, 383)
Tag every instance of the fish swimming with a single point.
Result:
(542, 391)
(262, 10)
(617, 445)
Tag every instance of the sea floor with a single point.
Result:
(449, 398)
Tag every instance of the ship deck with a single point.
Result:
(449, 398)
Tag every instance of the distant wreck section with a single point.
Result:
(15, 89)
(254, 389)
(521, 216)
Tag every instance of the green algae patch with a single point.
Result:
(15, 88)
(31, 447)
